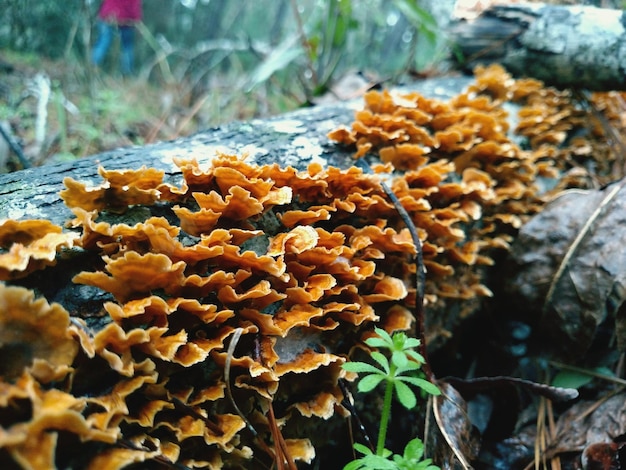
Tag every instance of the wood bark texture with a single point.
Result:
(578, 46)
(294, 139)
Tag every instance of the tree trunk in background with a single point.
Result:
(208, 19)
(578, 46)
(159, 15)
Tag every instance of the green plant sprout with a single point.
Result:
(397, 374)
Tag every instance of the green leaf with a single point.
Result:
(405, 395)
(378, 462)
(344, 22)
(382, 360)
(417, 16)
(571, 379)
(377, 343)
(385, 336)
(425, 385)
(416, 356)
(412, 458)
(354, 465)
(411, 343)
(370, 461)
(361, 367)
(362, 449)
(399, 359)
(280, 57)
(369, 382)
(408, 366)
(399, 338)
(414, 449)
(578, 378)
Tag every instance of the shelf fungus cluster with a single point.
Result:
(232, 298)
(30, 245)
(469, 179)
(286, 267)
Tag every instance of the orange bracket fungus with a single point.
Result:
(226, 311)
(29, 245)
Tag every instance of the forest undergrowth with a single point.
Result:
(61, 110)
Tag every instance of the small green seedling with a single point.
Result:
(397, 374)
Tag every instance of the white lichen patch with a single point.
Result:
(288, 126)
(307, 147)
(251, 151)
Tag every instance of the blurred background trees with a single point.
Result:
(204, 62)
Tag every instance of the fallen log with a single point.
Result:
(294, 139)
(565, 46)
(154, 298)
(189, 362)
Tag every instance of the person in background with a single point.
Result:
(123, 15)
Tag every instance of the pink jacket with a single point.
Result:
(121, 11)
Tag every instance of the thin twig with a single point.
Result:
(17, 149)
(592, 408)
(555, 460)
(193, 112)
(420, 274)
(282, 452)
(348, 402)
(540, 438)
(305, 43)
(229, 356)
(278, 455)
(158, 458)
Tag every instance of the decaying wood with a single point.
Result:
(294, 139)
(579, 46)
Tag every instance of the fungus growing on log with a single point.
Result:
(233, 299)
(34, 335)
(29, 245)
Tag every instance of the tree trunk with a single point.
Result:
(579, 46)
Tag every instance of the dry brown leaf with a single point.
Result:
(588, 423)
(453, 444)
(572, 267)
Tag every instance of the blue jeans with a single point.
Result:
(105, 37)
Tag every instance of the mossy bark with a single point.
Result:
(578, 46)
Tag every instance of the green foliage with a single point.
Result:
(397, 374)
(579, 378)
(38, 26)
(277, 60)
(328, 42)
(403, 360)
(429, 34)
(199, 64)
(419, 18)
(411, 459)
